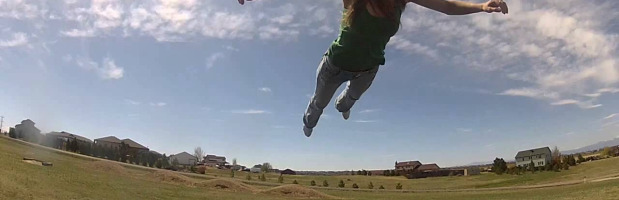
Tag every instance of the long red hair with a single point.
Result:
(386, 7)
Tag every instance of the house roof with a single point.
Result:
(69, 135)
(183, 155)
(531, 152)
(424, 167)
(133, 144)
(408, 163)
(109, 139)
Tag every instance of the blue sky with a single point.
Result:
(235, 80)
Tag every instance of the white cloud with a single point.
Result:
(610, 116)
(531, 92)
(464, 130)
(211, 60)
(109, 70)
(132, 102)
(365, 121)
(157, 104)
(251, 112)
(19, 39)
(265, 89)
(416, 48)
(565, 102)
(369, 111)
(79, 33)
(67, 58)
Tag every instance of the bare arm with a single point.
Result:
(455, 7)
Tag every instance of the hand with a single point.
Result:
(495, 6)
(242, 2)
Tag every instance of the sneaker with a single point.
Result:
(346, 115)
(307, 131)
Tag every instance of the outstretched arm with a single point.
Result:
(463, 8)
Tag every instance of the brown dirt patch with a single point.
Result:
(106, 166)
(226, 184)
(171, 177)
(297, 191)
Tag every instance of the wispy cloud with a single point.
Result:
(211, 60)
(19, 39)
(610, 116)
(369, 111)
(132, 102)
(157, 104)
(365, 121)
(250, 112)
(464, 130)
(106, 70)
(265, 89)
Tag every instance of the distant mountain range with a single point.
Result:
(596, 146)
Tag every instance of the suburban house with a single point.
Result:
(288, 172)
(184, 159)
(256, 169)
(539, 156)
(214, 161)
(135, 147)
(60, 140)
(27, 131)
(109, 142)
(428, 168)
(406, 166)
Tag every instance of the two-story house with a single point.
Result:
(539, 156)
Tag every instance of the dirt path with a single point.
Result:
(558, 184)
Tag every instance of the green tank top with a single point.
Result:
(361, 46)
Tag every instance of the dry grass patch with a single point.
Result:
(226, 184)
(174, 178)
(107, 167)
(297, 191)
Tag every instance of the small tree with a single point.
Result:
(232, 173)
(175, 162)
(248, 177)
(370, 186)
(263, 178)
(341, 184)
(192, 169)
(606, 152)
(548, 167)
(266, 167)
(354, 185)
(556, 155)
(280, 179)
(398, 186)
(381, 187)
(532, 167)
(295, 182)
(313, 183)
(499, 166)
(555, 167)
(571, 160)
(325, 183)
(580, 159)
(566, 166)
(198, 153)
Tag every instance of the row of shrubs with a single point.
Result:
(325, 183)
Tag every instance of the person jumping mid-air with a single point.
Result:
(355, 56)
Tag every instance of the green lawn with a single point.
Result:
(71, 178)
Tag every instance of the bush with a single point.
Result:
(381, 187)
(313, 183)
(192, 169)
(263, 178)
(325, 183)
(341, 184)
(295, 182)
(370, 186)
(232, 173)
(248, 177)
(354, 185)
(398, 186)
(280, 179)
(566, 166)
(201, 170)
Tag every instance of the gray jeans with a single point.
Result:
(328, 79)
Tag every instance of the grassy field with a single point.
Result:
(72, 177)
